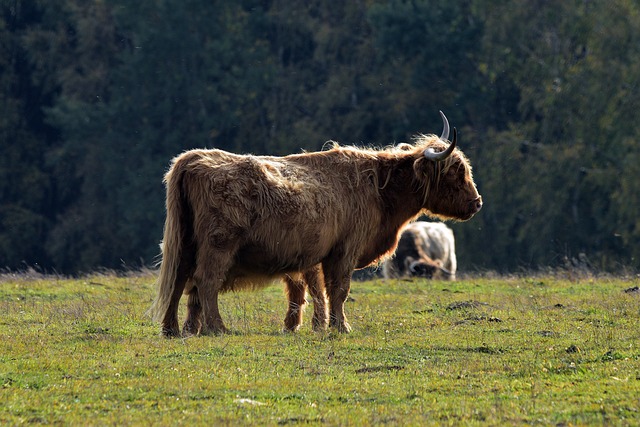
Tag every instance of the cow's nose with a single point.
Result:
(478, 202)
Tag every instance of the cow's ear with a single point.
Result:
(424, 169)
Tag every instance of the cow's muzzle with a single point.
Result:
(473, 207)
(476, 204)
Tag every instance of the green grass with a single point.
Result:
(475, 352)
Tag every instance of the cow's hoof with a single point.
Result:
(190, 329)
(217, 328)
(170, 332)
(319, 326)
(291, 324)
(344, 328)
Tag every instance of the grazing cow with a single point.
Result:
(425, 249)
(241, 221)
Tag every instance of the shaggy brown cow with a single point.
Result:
(425, 249)
(241, 221)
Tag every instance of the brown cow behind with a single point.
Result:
(242, 221)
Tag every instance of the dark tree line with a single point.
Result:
(97, 97)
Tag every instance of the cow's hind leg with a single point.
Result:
(315, 282)
(295, 288)
(193, 322)
(214, 271)
(216, 250)
(203, 315)
(212, 318)
(170, 326)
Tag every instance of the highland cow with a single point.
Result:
(243, 221)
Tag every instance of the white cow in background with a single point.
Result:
(425, 249)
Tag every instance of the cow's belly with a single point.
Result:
(256, 260)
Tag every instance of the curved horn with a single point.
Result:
(437, 156)
(445, 129)
(412, 267)
(445, 271)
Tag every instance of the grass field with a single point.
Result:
(485, 351)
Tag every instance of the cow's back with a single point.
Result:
(284, 213)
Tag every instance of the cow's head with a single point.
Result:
(445, 176)
(426, 268)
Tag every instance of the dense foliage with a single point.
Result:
(97, 97)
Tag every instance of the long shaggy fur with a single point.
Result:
(171, 245)
(236, 221)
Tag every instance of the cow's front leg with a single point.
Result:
(315, 282)
(295, 288)
(338, 283)
(337, 317)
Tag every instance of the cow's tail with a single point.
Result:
(175, 233)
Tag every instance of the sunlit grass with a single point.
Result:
(474, 352)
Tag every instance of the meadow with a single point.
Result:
(536, 350)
